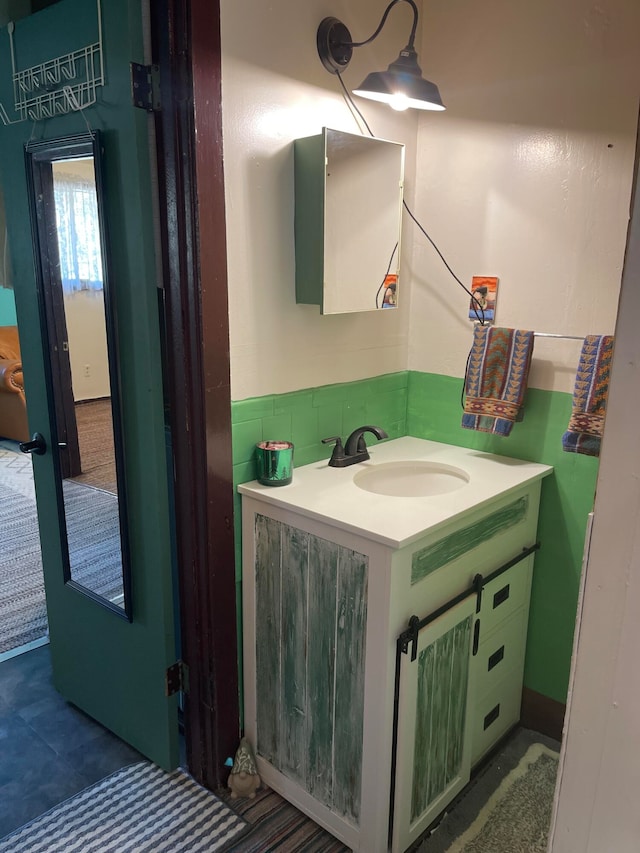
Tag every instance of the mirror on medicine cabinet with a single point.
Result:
(348, 216)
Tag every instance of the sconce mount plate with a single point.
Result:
(334, 45)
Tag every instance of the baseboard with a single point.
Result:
(542, 714)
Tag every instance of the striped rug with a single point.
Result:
(140, 809)
(23, 612)
(93, 532)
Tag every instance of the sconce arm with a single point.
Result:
(383, 21)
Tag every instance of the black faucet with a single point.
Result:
(355, 449)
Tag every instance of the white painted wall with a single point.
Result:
(527, 175)
(275, 89)
(86, 330)
(599, 786)
(85, 318)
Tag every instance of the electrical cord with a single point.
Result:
(464, 381)
(475, 302)
(478, 310)
(350, 103)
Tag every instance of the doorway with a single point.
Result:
(23, 617)
(108, 661)
(200, 465)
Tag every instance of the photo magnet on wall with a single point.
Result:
(483, 303)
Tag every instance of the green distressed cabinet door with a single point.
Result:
(311, 618)
(433, 748)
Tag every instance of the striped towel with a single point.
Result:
(584, 433)
(496, 378)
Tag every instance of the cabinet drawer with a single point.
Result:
(494, 714)
(504, 595)
(501, 653)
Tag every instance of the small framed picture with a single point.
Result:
(483, 302)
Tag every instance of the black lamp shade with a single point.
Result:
(402, 85)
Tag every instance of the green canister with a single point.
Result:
(274, 462)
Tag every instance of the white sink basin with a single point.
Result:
(411, 479)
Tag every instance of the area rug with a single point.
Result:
(140, 809)
(517, 817)
(23, 612)
(93, 534)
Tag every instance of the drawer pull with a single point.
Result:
(501, 596)
(495, 658)
(491, 717)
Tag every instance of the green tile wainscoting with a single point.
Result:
(306, 417)
(427, 405)
(434, 412)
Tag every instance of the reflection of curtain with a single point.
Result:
(78, 233)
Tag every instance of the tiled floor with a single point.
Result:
(48, 749)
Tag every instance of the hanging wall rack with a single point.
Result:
(65, 84)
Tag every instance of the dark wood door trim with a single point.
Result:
(186, 45)
(47, 265)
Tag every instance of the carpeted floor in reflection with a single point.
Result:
(95, 437)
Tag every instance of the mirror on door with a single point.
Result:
(79, 327)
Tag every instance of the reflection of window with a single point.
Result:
(78, 233)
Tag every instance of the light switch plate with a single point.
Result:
(485, 290)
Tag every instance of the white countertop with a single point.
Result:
(330, 495)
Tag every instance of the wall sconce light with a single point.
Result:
(401, 85)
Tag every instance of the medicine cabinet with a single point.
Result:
(348, 216)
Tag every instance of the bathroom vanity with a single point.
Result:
(385, 610)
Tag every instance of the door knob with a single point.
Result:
(37, 445)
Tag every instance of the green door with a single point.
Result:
(110, 666)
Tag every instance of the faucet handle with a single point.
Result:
(338, 450)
